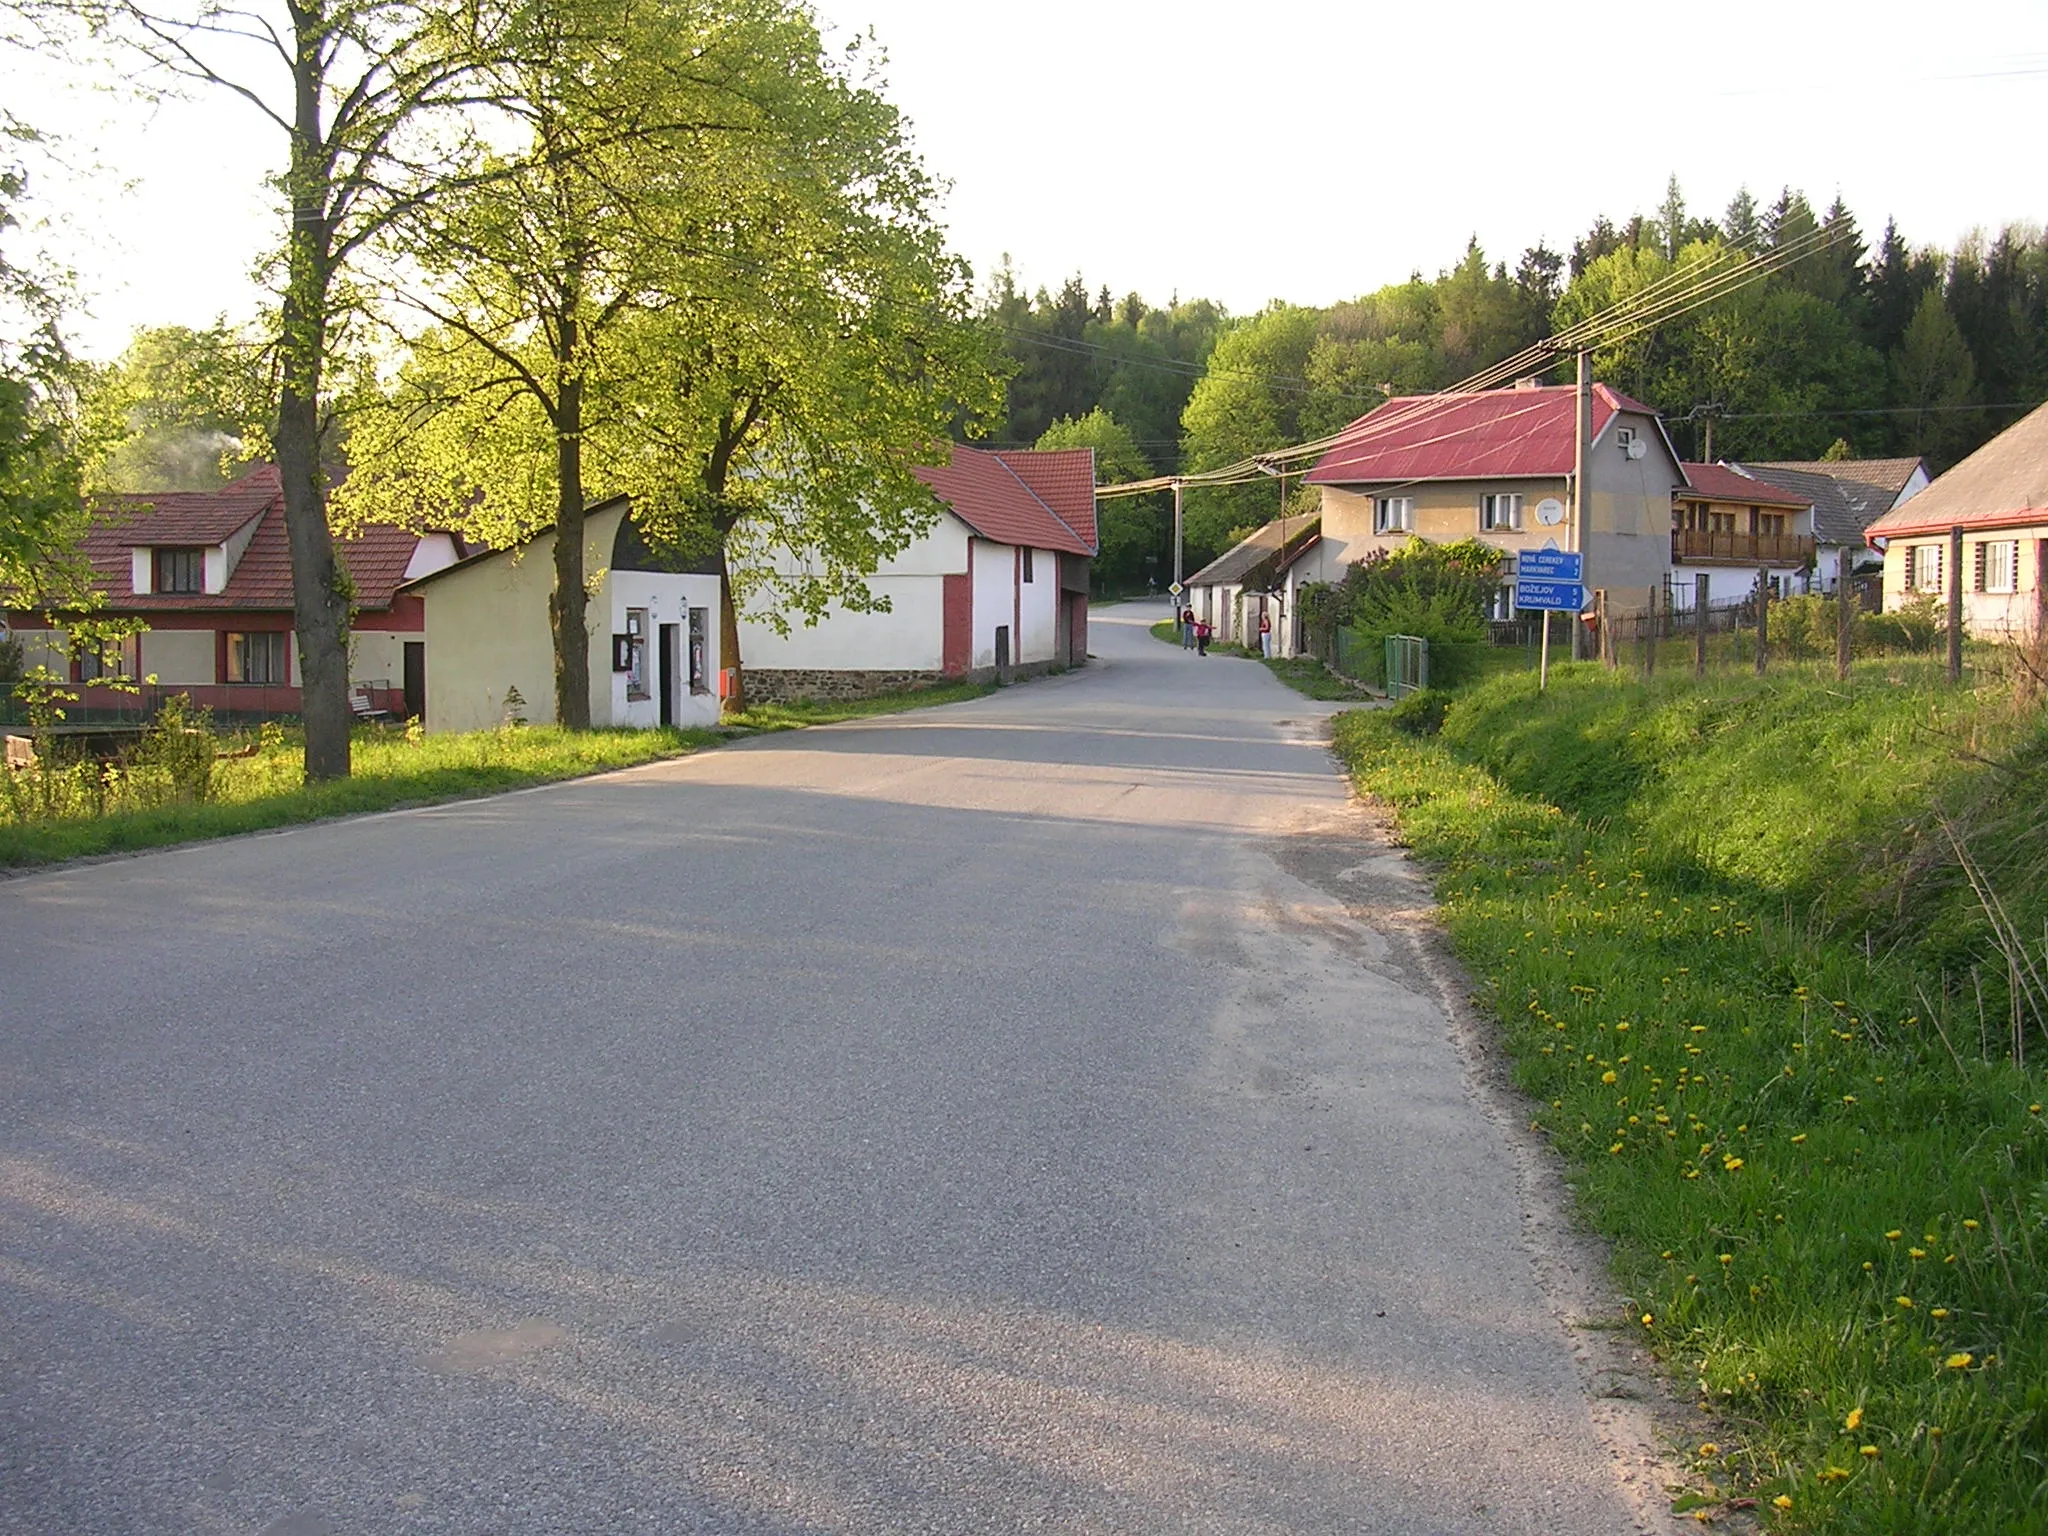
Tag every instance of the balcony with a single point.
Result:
(1699, 546)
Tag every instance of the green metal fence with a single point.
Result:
(1407, 665)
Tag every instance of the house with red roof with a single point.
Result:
(997, 587)
(1994, 506)
(1725, 518)
(1497, 466)
(208, 576)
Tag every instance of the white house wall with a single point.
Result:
(995, 600)
(668, 599)
(1039, 606)
(910, 637)
(180, 658)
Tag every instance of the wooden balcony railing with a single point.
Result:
(1742, 548)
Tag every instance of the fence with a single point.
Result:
(1407, 665)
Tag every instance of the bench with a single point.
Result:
(363, 704)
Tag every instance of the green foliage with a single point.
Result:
(1783, 1126)
(1420, 713)
(1915, 628)
(182, 410)
(1439, 592)
(173, 763)
(1136, 532)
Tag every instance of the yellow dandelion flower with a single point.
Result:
(1710, 1449)
(1727, 1258)
(1959, 1360)
(1894, 1235)
(1916, 1253)
(1783, 1501)
(1970, 1223)
(1868, 1450)
(1607, 1076)
(1904, 1301)
(1855, 1420)
(1939, 1312)
(1796, 1140)
(1648, 1319)
(1731, 1163)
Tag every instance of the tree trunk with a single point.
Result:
(320, 594)
(568, 604)
(729, 635)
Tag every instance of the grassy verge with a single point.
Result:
(391, 769)
(1306, 675)
(1739, 999)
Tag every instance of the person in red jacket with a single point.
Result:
(1201, 637)
(1265, 633)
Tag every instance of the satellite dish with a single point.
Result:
(1550, 511)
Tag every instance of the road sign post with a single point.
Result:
(1549, 581)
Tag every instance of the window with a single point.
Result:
(700, 650)
(1998, 566)
(1623, 436)
(1027, 565)
(110, 659)
(1393, 514)
(1500, 511)
(179, 570)
(1923, 568)
(1720, 522)
(257, 658)
(636, 654)
(1502, 604)
(1771, 524)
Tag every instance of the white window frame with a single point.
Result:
(1393, 514)
(1623, 436)
(1998, 565)
(1923, 572)
(1500, 512)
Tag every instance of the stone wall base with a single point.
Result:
(783, 685)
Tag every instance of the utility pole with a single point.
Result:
(1582, 434)
(1176, 542)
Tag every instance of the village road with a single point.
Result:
(1022, 1115)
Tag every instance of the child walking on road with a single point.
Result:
(1201, 637)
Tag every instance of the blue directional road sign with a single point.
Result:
(1564, 596)
(1550, 565)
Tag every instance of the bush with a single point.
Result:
(1804, 627)
(1915, 628)
(1421, 713)
(173, 763)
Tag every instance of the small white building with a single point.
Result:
(653, 633)
(998, 587)
(1259, 577)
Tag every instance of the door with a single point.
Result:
(670, 642)
(416, 680)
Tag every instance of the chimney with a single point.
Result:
(1531, 382)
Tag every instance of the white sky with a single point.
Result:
(1245, 152)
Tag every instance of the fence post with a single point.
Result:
(1607, 657)
(1699, 625)
(1763, 619)
(1845, 617)
(1955, 605)
(1650, 636)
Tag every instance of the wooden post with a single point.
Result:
(1845, 616)
(1955, 605)
(1763, 619)
(1543, 656)
(1600, 628)
(1699, 625)
(1650, 634)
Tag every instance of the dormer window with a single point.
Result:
(179, 570)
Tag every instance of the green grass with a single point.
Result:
(390, 770)
(1306, 675)
(1718, 965)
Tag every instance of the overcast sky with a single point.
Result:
(1252, 151)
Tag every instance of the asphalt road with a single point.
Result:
(1003, 1117)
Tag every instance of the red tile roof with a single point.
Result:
(1038, 498)
(262, 579)
(1496, 435)
(1718, 482)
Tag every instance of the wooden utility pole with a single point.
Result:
(1763, 619)
(1955, 605)
(1845, 617)
(1699, 625)
(1582, 434)
(1607, 647)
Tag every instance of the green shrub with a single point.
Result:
(1915, 629)
(1421, 713)
(173, 763)
(1804, 627)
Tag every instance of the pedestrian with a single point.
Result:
(1201, 629)
(1187, 629)
(1265, 633)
